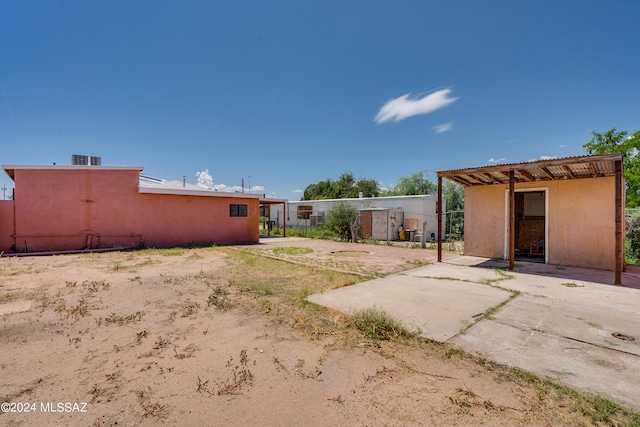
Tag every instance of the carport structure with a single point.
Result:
(265, 209)
(567, 211)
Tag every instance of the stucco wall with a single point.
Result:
(6, 225)
(169, 220)
(581, 221)
(61, 209)
(484, 217)
(57, 209)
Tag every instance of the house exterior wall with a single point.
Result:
(484, 220)
(6, 225)
(170, 220)
(416, 210)
(580, 221)
(91, 207)
(59, 209)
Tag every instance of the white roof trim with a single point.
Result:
(188, 192)
(369, 199)
(274, 201)
(71, 167)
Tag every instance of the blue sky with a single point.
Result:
(289, 93)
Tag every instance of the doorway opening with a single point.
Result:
(530, 229)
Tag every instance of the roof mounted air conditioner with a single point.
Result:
(81, 160)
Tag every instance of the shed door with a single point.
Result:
(367, 223)
(530, 236)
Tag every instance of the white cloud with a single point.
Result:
(401, 108)
(298, 191)
(444, 127)
(563, 146)
(501, 159)
(228, 188)
(204, 179)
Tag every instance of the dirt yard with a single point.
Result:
(223, 336)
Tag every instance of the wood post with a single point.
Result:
(619, 242)
(512, 220)
(284, 219)
(439, 209)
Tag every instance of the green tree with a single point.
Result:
(368, 188)
(345, 187)
(453, 194)
(613, 141)
(414, 184)
(339, 219)
(320, 190)
(633, 236)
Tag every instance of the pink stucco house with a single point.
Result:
(59, 208)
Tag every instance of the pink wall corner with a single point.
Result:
(6, 225)
(56, 208)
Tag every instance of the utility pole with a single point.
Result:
(4, 189)
(249, 183)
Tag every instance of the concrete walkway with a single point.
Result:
(584, 333)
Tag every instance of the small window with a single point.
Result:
(304, 212)
(238, 210)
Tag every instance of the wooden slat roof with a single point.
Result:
(543, 170)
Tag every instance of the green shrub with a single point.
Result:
(377, 324)
(340, 218)
(633, 238)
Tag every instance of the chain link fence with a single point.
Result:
(305, 218)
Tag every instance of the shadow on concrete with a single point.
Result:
(630, 277)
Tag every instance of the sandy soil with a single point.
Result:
(216, 336)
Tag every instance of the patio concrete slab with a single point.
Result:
(459, 272)
(438, 308)
(596, 325)
(570, 324)
(592, 369)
